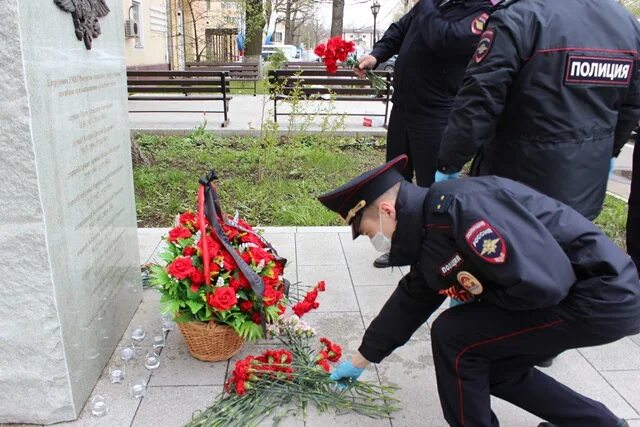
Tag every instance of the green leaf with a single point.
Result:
(194, 306)
(167, 257)
(171, 306)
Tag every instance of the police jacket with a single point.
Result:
(433, 46)
(551, 94)
(502, 243)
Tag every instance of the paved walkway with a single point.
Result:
(355, 293)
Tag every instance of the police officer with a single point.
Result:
(541, 279)
(633, 220)
(551, 94)
(434, 42)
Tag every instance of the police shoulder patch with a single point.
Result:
(484, 45)
(478, 23)
(486, 242)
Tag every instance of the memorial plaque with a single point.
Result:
(71, 279)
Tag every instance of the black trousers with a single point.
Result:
(480, 349)
(418, 136)
(633, 220)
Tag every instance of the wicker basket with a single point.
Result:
(210, 342)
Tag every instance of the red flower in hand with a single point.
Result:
(178, 233)
(222, 299)
(180, 268)
(320, 50)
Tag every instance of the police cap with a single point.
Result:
(350, 199)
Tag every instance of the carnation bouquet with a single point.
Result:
(220, 270)
(338, 50)
(286, 381)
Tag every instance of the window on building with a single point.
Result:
(277, 37)
(135, 15)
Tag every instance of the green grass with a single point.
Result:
(613, 220)
(246, 88)
(270, 184)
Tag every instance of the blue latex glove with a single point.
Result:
(446, 176)
(612, 165)
(346, 371)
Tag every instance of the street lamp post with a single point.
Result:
(375, 8)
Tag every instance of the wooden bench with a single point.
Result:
(180, 86)
(245, 72)
(318, 85)
(303, 65)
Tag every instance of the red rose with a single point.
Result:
(246, 256)
(189, 251)
(187, 218)
(246, 306)
(320, 50)
(222, 299)
(271, 296)
(251, 238)
(255, 317)
(259, 254)
(212, 245)
(321, 286)
(229, 263)
(231, 232)
(180, 268)
(178, 233)
(197, 278)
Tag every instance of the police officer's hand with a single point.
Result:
(446, 176)
(349, 370)
(612, 166)
(367, 62)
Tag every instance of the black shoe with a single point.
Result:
(545, 363)
(621, 423)
(382, 261)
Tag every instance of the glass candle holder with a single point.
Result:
(157, 338)
(138, 334)
(168, 324)
(117, 372)
(138, 388)
(128, 353)
(151, 361)
(99, 405)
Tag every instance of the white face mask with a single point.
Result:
(379, 241)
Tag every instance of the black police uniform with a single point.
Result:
(543, 278)
(433, 46)
(633, 220)
(551, 94)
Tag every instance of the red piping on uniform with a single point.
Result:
(582, 49)
(439, 226)
(478, 344)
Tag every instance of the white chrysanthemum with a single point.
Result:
(220, 282)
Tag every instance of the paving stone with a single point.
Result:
(279, 240)
(173, 406)
(151, 244)
(330, 229)
(344, 328)
(317, 419)
(573, 370)
(339, 295)
(622, 354)
(360, 256)
(372, 298)
(320, 249)
(278, 230)
(635, 339)
(512, 416)
(627, 383)
(179, 368)
(634, 423)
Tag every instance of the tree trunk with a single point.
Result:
(195, 31)
(288, 27)
(254, 18)
(138, 157)
(337, 15)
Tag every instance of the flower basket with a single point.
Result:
(209, 341)
(223, 283)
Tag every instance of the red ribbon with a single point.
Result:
(203, 234)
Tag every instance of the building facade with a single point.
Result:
(146, 41)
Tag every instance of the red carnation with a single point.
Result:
(303, 307)
(321, 286)
(180, 268)
(222, 299)
(324, 365)
(320, 50)
(177, 233)
(333, 351)
(311, 296)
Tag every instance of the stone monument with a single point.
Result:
(69, 269)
